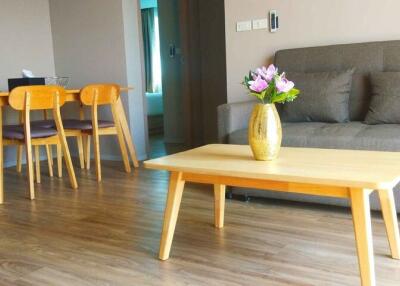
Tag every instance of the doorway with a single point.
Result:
(185, 41)
(163, 60)
(153, 73)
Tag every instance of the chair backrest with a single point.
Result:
(101, 93)
(40, 97)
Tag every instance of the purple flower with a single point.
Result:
(268, 73)
(258, 84)
(283, 84)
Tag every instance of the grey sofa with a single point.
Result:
(365, 58)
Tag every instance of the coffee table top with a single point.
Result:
(348, 168)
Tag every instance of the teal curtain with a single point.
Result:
(149, 40)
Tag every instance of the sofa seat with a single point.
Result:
(352, 135)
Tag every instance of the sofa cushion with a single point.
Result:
(352, 135)
(385, 102)
(324, 97)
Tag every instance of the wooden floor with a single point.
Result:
(108, 234)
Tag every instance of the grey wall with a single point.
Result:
(98, 41)
(26, 42)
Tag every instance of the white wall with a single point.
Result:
(98, 41)
(26, 42)
(302, 23)
(135, 75)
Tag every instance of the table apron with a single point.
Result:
(291, 187)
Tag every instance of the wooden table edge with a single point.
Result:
(273, 178)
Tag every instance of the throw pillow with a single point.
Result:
(384, 107)
(324, 97)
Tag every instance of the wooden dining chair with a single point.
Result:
(49, 123)
(27, 99)
(46, 122)
(96, 95)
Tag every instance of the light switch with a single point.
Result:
(260, 24)
(243, 26)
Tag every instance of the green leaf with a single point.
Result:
(286, 96)
(293, 92)
(246, 82)
(258, 95)
(280, 98)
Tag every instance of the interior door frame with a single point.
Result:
(184, 18)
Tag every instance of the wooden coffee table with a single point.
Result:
(324, 172)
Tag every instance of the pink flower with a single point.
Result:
(283, 84)
(268, 73)
(258, 84)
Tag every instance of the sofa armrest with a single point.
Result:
(232, 117)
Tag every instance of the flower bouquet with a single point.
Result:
(265, 132)
(269, 86)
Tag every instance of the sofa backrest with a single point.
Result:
(366, 58)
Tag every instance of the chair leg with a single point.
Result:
(121, 141)
(19, 158)
(87, 152)
(79, 141)
(51, 154)
(96, 149)
(68, 161)
(50, 159)
(29, 168)
(126, 132)
(62, 140)
(124, 152)
(59, 161)
(37, 164)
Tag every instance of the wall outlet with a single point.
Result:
(259, 24)
(243, 26)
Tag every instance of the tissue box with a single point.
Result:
(15, 82)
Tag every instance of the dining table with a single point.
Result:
(72, 95)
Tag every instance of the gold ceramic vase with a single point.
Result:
(265, 132)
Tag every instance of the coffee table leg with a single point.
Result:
(176, 185)
(219, 205)
(390, 218)
(362, 226)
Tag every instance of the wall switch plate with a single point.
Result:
(243, 26)
(259, 24)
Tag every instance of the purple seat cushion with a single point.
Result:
(17, 132)
(44, 123)
(77, 124)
